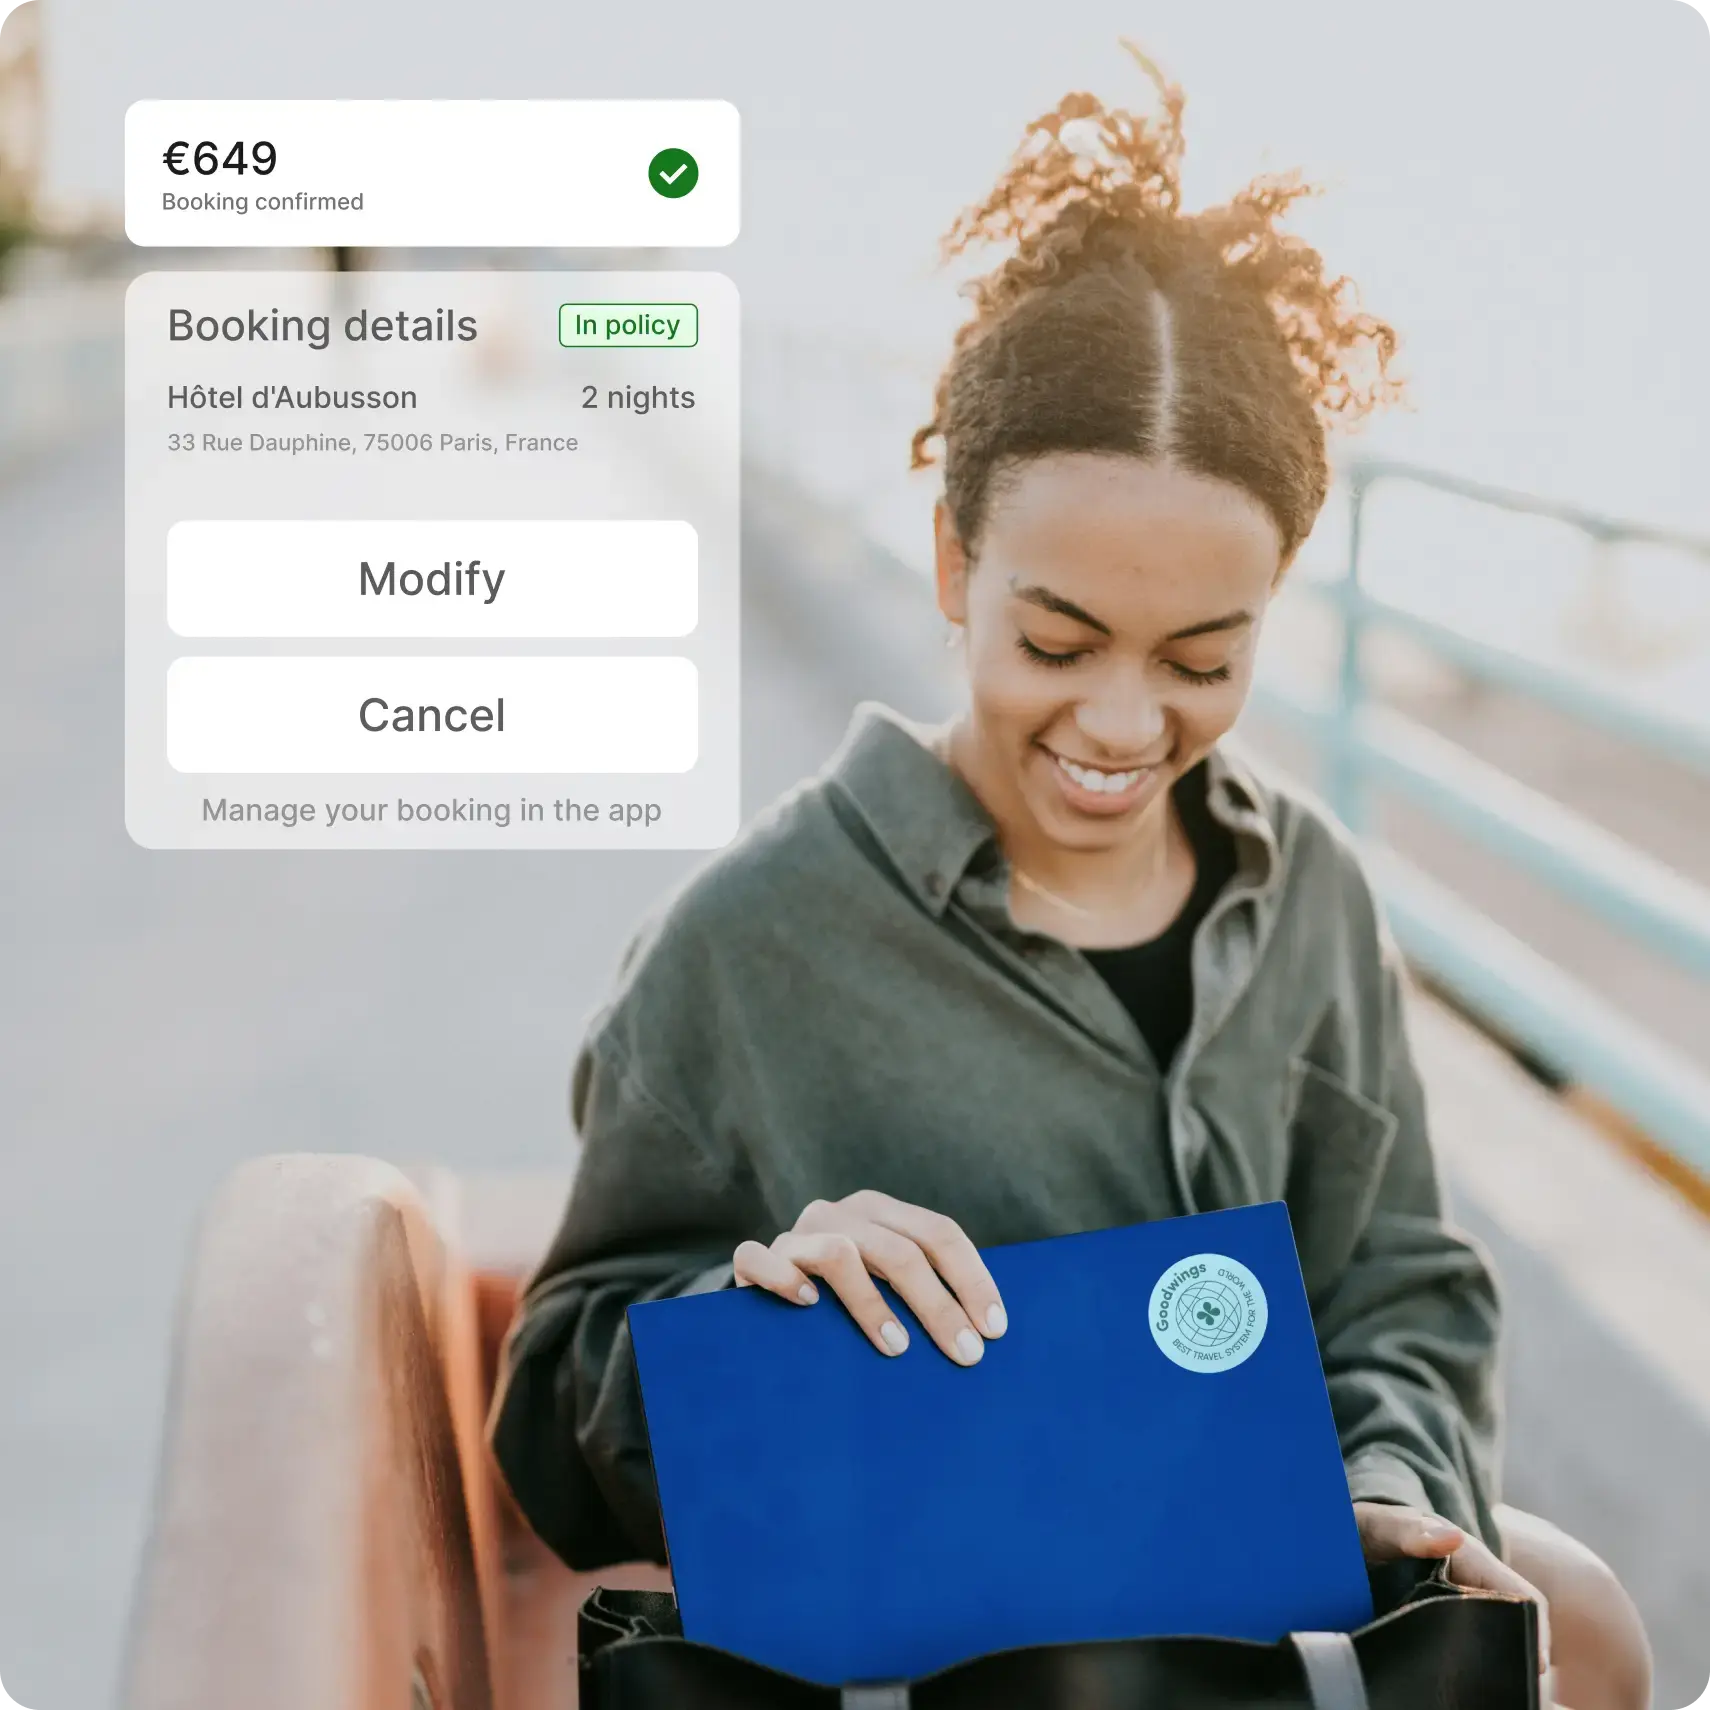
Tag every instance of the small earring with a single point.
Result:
(952, 633)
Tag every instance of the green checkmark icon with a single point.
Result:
(673, 172)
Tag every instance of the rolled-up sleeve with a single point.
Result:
(654, 1214)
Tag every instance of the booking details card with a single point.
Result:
(432, 560)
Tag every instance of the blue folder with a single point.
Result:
(1148, 1450)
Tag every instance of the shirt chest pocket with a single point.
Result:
(1339, 1142)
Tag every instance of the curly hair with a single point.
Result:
(1213, 341)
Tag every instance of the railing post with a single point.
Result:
(1347, 779)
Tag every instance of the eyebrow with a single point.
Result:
(1213, 626)
(1047, 601)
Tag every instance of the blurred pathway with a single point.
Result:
(165, 1015)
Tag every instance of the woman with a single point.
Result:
(1069, 963)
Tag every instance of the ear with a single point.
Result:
(951, 566)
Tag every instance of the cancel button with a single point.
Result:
(377, 714)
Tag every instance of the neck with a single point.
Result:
(1090, 878)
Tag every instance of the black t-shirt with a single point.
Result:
(1154, 980)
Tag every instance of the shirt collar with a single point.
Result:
(931, 826)
(927, 821)
(1241, 802)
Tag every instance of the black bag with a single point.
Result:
(1439, 1648)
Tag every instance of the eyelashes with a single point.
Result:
(1057, 661)
(1061, 661)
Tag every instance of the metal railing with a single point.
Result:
(1367, 747)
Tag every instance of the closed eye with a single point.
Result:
(1040, 656)
(1217, 674)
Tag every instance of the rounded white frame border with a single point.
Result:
(1233, 1271)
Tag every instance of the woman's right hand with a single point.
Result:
(922, 1254)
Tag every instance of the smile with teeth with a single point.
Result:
(1101, 783)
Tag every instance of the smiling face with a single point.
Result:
(1110, 614)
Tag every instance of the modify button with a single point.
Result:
(372, 577)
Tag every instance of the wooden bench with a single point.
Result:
(329, 1532)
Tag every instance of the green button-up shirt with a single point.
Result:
(841, 1000)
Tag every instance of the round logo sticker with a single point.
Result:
(1208, 1313)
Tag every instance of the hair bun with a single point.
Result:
(1092, 186)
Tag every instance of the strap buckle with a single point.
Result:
(1332, 1669)
(877, 1695)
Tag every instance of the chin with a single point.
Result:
(1085, 837)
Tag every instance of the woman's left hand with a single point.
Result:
(1389, 1531)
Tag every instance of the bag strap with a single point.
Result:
(883, 1695)
(1332, 1669)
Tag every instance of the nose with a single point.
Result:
(1122, 714)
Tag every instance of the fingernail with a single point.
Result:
(894, 1336)
(1437, 1530)
(807, 1294)
(969, 1347)
(997, 1321)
